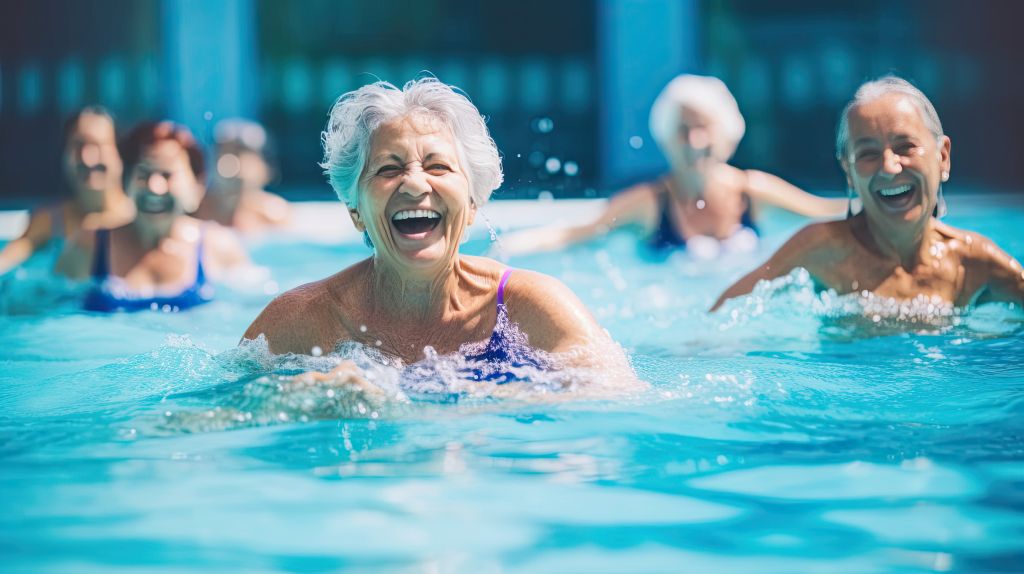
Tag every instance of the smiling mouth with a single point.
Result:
(152, 203)
(414, 221)
(897, 196)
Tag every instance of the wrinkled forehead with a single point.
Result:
(413, 132)
(93, 127)
(693, 116)
(887, 115)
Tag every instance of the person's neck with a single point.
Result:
(425, 296)
(107, 200)
(904, 244)
(151, 231)
(688, 183)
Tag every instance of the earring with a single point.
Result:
(945, 176)
(854, 205)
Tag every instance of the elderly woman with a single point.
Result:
(164, 258)
(236, 197)
(704, 205)
(413, 165)
(891, 146)
(92, 169)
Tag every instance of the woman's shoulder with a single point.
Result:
(306, 316)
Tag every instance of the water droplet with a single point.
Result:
(636, 142)
(553, 164)
(207, 115)
(316, 351)
(571, 168)
(701, 204)
(362, 328)
(545, 195)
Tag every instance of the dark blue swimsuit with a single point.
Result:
(108, 294)
(505, 348)
(667, 236)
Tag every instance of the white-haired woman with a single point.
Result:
(704, 204)
(413, 165)
(895, 155)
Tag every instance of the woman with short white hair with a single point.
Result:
(704, 205)
(896, 157)
(413, 165)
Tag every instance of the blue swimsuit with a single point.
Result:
(505, 348)
(109, 294)
(667, 235)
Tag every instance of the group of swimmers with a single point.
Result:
(414, 164)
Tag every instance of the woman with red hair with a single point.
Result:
(163, 259)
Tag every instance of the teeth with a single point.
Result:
(415, 214)
(894, 190)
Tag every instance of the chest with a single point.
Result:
(943, 278)
(172, 264)
(408, 339)
(716, 216)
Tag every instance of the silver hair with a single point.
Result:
(875, 89)
(702, 93)
(356, 115)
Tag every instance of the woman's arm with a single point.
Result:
(773, 190)
(635, 205)
(797, 252)
(1005, 275)
(38, 233)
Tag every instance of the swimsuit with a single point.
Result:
(109, 293)
(498, 360)
(667, 236)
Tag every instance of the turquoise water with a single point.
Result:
(789, 433)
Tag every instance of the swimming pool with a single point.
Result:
(781, 435)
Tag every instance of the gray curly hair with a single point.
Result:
(357, 114)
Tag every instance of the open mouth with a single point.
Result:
(153, 203)
(897, 196)
(416, 221)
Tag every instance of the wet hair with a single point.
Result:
(875, 89)
(72, 121)
(704, 94)
(357, 114)
(146, 134)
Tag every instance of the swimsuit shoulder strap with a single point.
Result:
(501, 287)
(101, 255)
(200, 273)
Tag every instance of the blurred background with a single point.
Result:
(567, 85)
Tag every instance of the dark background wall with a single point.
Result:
(566, 85)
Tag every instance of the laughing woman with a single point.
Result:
(413, 165)
(164, 259)
(895, 155)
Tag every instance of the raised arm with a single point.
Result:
(773, 190)
(633, 206)
(222, 250)
(38, 233)
(797, 252)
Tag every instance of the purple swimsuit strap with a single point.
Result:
(501, 286)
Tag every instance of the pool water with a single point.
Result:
(788, 433)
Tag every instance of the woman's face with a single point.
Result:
(697, 138)
(162, 183)
(893, 162)
(91, 161)
(414, 196)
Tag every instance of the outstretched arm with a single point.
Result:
(633, 206)
(35, 237)
(797, 252)
(773, 190)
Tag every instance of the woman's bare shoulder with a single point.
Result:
(308, 316)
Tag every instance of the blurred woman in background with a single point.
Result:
(92, 169)
(164, 258)
(704, 204)
(236, 197)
